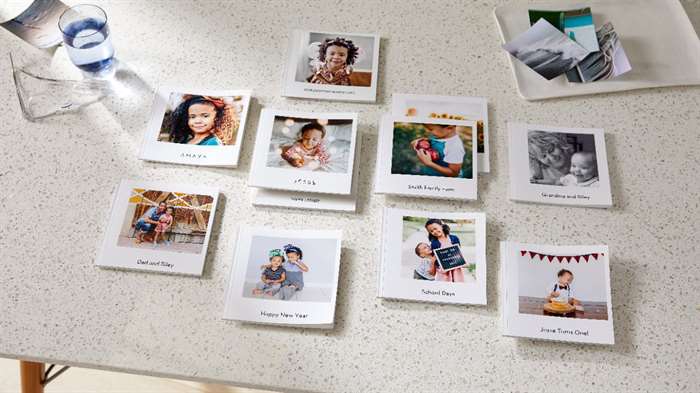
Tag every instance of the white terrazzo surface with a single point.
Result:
(57, 178)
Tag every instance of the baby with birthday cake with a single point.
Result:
(560, 295)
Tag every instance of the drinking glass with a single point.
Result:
(87, 39)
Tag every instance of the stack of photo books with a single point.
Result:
(196, 127)
(567, 42)
(432, 147)
(557, 293)
(306, 160)
(159, 227)
(284, 277)
(433, 257)
(555, 165)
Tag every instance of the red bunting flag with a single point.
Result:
(585, 257)
(533, 254)
(522, 253)
(559, 258)
(550, 258)
(595, 256)
(577, 258)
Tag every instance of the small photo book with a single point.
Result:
(433, 257)
(159, 227)
(561, 166)
(196, 127)
(284, 277)
(306, 160)
(449, 107)
(332, 66)
(559, 293)
(428, 158)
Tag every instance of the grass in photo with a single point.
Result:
(432, 150)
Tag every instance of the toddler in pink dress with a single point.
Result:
(164, 223)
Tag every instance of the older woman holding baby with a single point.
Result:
(439, 236)
(550, 156)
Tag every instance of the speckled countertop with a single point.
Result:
(57, 178)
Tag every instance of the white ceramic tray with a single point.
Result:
(657, 36)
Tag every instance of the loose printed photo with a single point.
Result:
(436, 257)
(284, 277)
(197, 128)
(334, 66)
(608, 63)
(313, 152)
(428, 158)
(449, 107)
(557, 293)
(562, 165)
(35, 22)
(546, 50)
(162, 227)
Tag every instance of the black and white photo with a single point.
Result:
(546, 50)
(558, 165)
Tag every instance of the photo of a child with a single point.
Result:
(561, 291)
(546, 285)
(290, 269)
(421, 236)
(273, 275)
(169, 221)
(562, 159)
(432, 150)
(333, 59)
(201, 120)
(310, 144)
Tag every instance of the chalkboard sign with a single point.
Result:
(450, 258)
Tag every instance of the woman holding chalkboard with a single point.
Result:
(439, 236)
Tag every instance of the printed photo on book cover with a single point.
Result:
(196, 127)
(201, 120)
(568, 286)
(562, 159)
(165, 220)
(337, 59)
(311, 144)
(303, 151)
(291, 269)
(331, 65)
(432, 149)
(558, 165)
(437, 249)
(449, 107)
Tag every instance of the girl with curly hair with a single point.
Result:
(203, 120)
(439, 236)
(335, 59)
